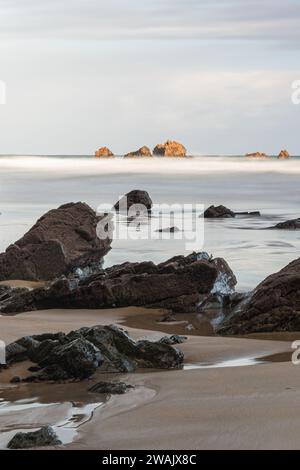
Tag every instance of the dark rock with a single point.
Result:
(293, 224)
(170, 148)
(218, 212)
(168, 230)
(34, 369)
(173, 339)
(273, 306)
(141, 152)
(136, 197)
(61, 240)
(15, 380)
(158, 355)
(114, 388)
(26, 440)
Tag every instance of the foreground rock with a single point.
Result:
(218, 212)
(114, 388)
(273, 306)
(61, 240)
(171, 148)
(141, 152)
(103, 152)
(256, 155)
(178, 284)
(41, 438)
(77, 355)
(134, 197)
(284, 154)
(293, 224)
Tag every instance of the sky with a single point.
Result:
(215, 75)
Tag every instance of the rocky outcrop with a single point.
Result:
(173, 339)
(141, 152)
(170, 149)
(135, 197)
(218, 212)
(273, 306)
(61, 240)
(103, 152)
(77, 355)
(113, 388)
(256, 155)
(41, 438)
(293, 224)
(284, 154)
(178, 284)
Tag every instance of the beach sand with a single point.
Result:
(241, 407)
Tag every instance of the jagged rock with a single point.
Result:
(170, 148)
(284, 154)
(293, 224)
(61, 240)
(257, 155)
(136, 197)
(26, 440)
(141, 152)
(173, 339)
(103, 152)
(218, 212)
(78, 354)
(179, 284)
(114, 388)
(273, 306)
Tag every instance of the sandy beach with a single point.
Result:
(213, 403)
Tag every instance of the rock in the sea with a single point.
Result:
(284, 154)
(256, 155)
(273, 306)
(293, 224)
(136, 197)
(78, 354)
(218, 212)
(61, 240)
(141, 152)
(113, 388)
(171, 148)
(41, 438)
(103, 152)
(179, 284)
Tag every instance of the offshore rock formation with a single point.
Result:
(256, 155)
(218, 212)
(180, 284)
(171, 148)
(273, 306)
(78, 354)
(134, 197)
(103, 152)
(284, 154)
(293, 224)
(141, 152)
(61, 240)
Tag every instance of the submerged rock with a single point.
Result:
(179, 284)
(170, 148)
(134, 197)
(61, 240)
(114, 388)
(273, 306)
(293, 224)
(41, 438)
(218, 212)
(141, 152)
(103, 152)
(284, 154)
(78, 354)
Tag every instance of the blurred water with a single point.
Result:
(32, 185)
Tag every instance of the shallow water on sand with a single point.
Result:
(32, 185)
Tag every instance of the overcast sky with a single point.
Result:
(214, 74)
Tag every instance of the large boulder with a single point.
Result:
(178, 284)
(213, 212)
(61, 240)
(293, 224)
(136, 197)
(103, 152)
(141, 152)
(283, 155)
(273, 306)
(170, 148)
(41, 438)
(78, 354)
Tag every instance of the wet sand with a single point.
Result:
(243, 407)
